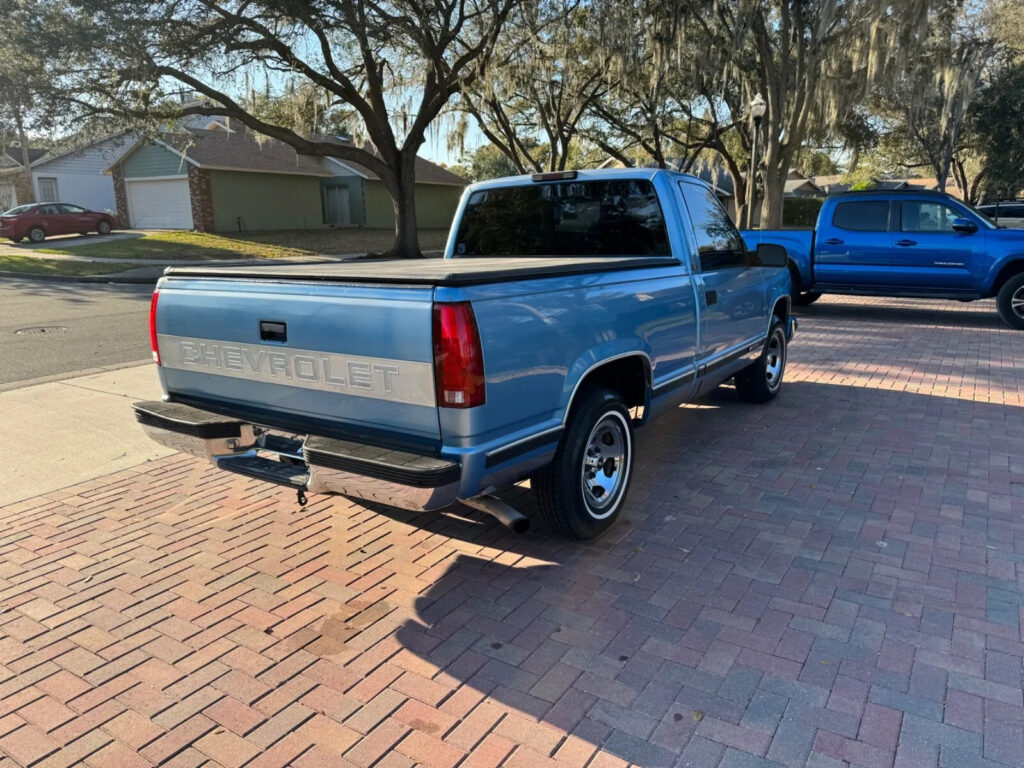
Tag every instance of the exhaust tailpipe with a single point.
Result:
(508, 516)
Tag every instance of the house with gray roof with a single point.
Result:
(223, 179)
(73, 174)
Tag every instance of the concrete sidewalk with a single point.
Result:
(64, 432)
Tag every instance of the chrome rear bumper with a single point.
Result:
(318, 464)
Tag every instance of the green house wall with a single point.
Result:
(265, 201)
(435, 205)
(153, 160)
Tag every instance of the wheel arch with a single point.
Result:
(1013, 266)
(794, 274)
(629, 374)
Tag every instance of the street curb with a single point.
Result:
(113, 277)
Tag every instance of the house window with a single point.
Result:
(47, 190)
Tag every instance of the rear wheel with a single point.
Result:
(36, 234)
(582, 491)
(761, 381)
(103, 227)
(805, 298)
(800, 298)
(1010, 302)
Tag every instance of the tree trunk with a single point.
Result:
(403, 194)
(774, 194)
(26, 163)
(407, 242)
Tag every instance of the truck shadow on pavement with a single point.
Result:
(787, 580)
(898, 312)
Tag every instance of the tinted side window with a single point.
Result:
(65, 208)
(922, 216)
(719, 244)
(47, 210)
(862, 216)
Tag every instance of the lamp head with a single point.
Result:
(758, 106)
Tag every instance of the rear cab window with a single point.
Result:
(614, 217)
(862, 216)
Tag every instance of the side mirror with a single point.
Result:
(770, 255)
(964, 225)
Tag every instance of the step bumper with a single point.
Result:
(317, 464)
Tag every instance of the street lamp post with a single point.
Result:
(758, 106)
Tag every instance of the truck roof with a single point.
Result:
(896, 192)
(596, 174)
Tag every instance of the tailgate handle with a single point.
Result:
(273, 331)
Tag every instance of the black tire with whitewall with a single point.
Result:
(761, 381)
(1010, 302)
(582, 492)
(37, 234)
(103, 227)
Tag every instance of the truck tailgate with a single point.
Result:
(332, 359)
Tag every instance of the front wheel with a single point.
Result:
(36, 234)
(581, 493)
(1010, 302)
(761, 381)
(103, 227)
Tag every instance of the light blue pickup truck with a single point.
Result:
(911, 243)
(568, 310)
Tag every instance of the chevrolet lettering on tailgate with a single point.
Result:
(401, 381)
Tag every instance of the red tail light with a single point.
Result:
(458, 358)
(152, 327)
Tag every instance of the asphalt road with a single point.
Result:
(89, 326)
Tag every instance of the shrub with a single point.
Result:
(801, 211)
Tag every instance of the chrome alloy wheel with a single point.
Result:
(775, 360)
(1017, 302)
(606, 465)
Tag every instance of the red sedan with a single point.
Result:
(37, 221)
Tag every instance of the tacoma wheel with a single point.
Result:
(805, 298)
(581, 493)
(761, 381)
(1010, 302)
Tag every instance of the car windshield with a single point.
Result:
(17, 209)
(617, 217)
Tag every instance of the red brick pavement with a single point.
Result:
(834, 579)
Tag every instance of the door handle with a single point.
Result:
(710, 297)
(833, 241)
(906, 243)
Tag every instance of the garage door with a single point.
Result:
(161, 204)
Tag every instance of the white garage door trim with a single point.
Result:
(159, 203)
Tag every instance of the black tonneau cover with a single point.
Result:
(465, 271)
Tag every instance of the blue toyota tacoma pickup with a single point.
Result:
(904, 243)
(568, 310)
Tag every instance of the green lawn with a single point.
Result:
(167, 246)
(31, 266)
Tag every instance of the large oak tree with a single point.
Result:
(394, 63)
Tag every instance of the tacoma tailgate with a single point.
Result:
(323, 358)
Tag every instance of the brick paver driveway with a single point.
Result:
(834, 579)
